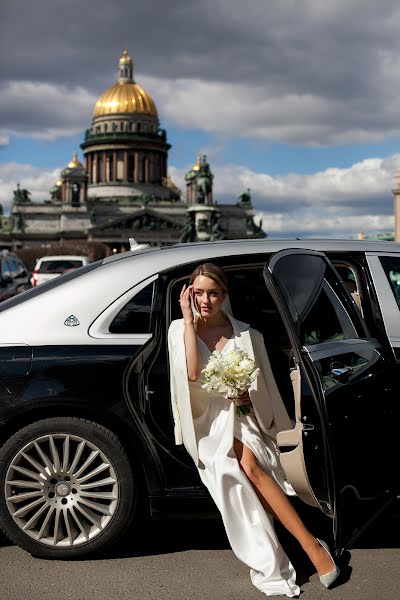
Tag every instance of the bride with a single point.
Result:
(236, 456)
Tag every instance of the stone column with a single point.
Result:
(136, 173)
(146, 169)
(104, 164)
(89, 166)
(125, 165)
(114, 166)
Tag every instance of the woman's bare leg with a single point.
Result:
(277, 503)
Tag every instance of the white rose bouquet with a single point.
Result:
(230, 375)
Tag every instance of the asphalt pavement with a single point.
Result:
(192, 561)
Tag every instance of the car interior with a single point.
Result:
(251, 301)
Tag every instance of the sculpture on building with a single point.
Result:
(21, 196)
(75, 194)
(189, 233)
(216, 231)
(245, 199)
(199, 182)
(204, 183)
(253, 229)
(55, 191)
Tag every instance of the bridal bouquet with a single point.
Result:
(230, 374)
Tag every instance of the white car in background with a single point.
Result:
(49, 267)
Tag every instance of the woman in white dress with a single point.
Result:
(236, 456)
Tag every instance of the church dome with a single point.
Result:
(75, 164)
(125, 96)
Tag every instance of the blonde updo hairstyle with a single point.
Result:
(213, 272)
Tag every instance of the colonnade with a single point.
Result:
(115, 166)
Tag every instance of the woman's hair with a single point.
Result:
(213, 272)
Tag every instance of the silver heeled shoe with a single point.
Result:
(330, 577)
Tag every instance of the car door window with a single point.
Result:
(135, 316)
(316, 310)
(391, 266)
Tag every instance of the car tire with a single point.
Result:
(67, 488)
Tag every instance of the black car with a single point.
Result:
(86, 426)
(14, 276)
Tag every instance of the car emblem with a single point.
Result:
(71, 321)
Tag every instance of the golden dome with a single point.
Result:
(75, 164)
(59, 182)
(196, 167)
(125, 97)
(125, 58)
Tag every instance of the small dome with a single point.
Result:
(196, 167)
(125, 58)
(75, 164)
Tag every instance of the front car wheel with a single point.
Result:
(67, 488)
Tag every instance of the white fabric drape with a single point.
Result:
(207, 425)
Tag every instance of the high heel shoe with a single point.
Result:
(330, 577)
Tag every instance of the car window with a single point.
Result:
(58, 266)
(136, 314)
(49, 285)
(317, 312)
(391, 266)
(6, 270)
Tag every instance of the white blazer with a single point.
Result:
(267, 403)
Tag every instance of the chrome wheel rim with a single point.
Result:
(61, 490)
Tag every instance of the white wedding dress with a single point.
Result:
(249, 528)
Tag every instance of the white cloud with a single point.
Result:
(36, 180)
(43, 110)
(259, 111)
(334, 202)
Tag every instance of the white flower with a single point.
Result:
(230, 374)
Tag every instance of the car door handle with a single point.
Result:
(148, 393)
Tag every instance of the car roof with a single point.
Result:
(192, 251)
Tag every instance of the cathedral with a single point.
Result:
(123, 189)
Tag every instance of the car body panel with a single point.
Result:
(72, 365)
(348, 376)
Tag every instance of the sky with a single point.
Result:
(297, 100)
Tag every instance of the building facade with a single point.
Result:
(123, 190)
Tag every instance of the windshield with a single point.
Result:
(59, 266)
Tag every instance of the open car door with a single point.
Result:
(342, 391)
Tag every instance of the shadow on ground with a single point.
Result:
(171, 536)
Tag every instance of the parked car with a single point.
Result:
(86, 427)
(14, 276)
(49, 267)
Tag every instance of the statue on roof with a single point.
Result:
(21, 196)
(189, 233)
(245, 199)
(204, 183)
(216, 231)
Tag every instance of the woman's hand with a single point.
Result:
(184, 301)
(243, 399)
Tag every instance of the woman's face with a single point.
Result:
(208, 296)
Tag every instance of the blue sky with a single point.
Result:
(296, 100)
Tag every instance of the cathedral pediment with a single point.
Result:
(144, 219)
